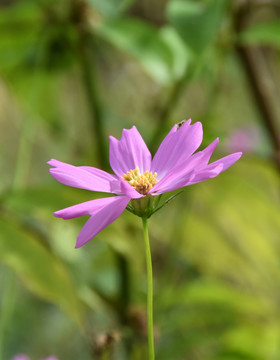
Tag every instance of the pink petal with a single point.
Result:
(122, 187)
(177, 146)
(129, 152)
(216, 167)
(85, 208)
(207, 173)
(202, 157)
(101, 217)
(227, 161)
(97, 172)
(56, 163)
(83, 177)
(180, 175)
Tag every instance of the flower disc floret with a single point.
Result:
(141, 182)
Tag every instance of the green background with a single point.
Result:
(72, 73)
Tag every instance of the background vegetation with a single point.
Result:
(73, 72)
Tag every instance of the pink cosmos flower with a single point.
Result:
(246, 139)
(139, 178)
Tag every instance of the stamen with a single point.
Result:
(141, 182)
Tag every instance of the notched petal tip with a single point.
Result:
(176, 148)
(133, 128)
(124, 133)
(57, 163)
(182, 123)
(129, 152)
(51, 162)
(129, 133)
(112, 138)
(188, 122)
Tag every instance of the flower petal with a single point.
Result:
(122, 187)
(101, 217)
(184, 172)
(129, 152)
(207, 173)
(83, 177)
(216, 167)
(177, 146)
(85, 208)
(227, 161)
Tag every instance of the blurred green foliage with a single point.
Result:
(75, 72)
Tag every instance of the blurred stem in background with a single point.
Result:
(28, 124)
(24, 153)
(7, 307)
(89, 79)
(85, 44)
(124, 286)
(164, 113)
(252, 63)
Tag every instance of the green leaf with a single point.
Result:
(106, 8)
(20, 25)
(197, 24)
(41, 272)
(144, 43)
(182, 56)
(20, 13)
(262, 34)
(245, 340)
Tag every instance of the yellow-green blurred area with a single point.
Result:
(73, 72)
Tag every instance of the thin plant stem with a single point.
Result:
(149, 290)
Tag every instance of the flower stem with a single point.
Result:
(149, 290)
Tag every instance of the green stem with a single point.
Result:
(149, 290)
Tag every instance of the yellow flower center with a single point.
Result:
(141, 182)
